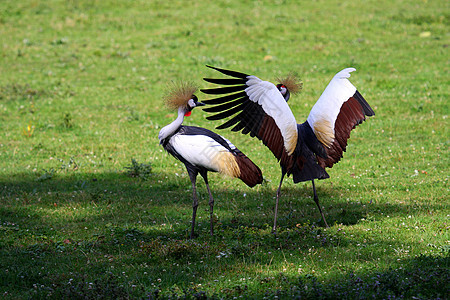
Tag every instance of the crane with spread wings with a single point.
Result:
(260, 108)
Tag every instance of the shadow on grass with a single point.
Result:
(163, 196)
(127, 262)
(424, 277)
(172, 195)
(84, 229)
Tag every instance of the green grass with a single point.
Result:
(81, 88)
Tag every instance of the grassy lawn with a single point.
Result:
(81, 89)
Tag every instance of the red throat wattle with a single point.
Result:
(188, 114)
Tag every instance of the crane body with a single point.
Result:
(203, 151)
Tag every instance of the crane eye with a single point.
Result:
(191, 103)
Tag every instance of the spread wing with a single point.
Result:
(256, 107)
(339, 109)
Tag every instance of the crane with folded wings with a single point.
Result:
(202, 150)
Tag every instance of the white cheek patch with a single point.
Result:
(191, 103)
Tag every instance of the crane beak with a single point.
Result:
(200, 104)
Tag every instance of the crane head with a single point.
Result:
(288, 85)
(191, 104)
(284, 91)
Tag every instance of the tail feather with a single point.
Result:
(304, 166)
(226, 164)
(306, 169)
(250, 173)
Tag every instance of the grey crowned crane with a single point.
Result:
(303, 150)
(202, 150)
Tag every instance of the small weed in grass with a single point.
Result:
(67, 121)
(70, 165)
(139, 170)
(17, 92)
(134, 115)
(48, 174)
(29, 130)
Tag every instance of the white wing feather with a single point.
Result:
(203, 151)
(269, 97)
(324, 113)
(199, 150)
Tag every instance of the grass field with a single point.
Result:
(81, 88)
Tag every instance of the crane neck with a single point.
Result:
(168, 130)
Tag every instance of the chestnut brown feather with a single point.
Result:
(350, 116)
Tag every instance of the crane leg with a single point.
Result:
(316, 199)
(204, 174)
(194, 206)
(276, 204)
(211, 208)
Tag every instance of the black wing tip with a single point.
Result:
(224, 106)
(216, 68)
(209, 91)
(211, 118)
(223, 126)
(209, 109)
(227, 81)
(368, 111)
(210, 102)
(211, 67)
(224, 90)
(229, 72)
(224, 99)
